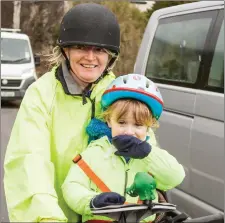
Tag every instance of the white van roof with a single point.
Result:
(13, 34)
(189, 6)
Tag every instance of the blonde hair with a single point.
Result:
(55, 58)
(139, 110)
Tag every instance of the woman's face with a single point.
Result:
(87, 62)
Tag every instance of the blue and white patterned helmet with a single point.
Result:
(134, 86)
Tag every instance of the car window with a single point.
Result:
(177, 48)
(216, 75)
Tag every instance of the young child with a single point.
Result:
(132, 105)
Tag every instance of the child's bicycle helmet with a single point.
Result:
(134, 86)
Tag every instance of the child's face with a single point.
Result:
(127, 126)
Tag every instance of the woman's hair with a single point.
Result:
(55, 58)
(141, 113)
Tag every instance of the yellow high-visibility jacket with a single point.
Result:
(49, 130)
(78, 189)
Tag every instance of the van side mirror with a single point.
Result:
(37, 60)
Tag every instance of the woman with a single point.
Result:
(50, 126)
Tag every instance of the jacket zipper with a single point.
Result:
(92, 108)
(84, 100)
(86, 94)
(125, 184)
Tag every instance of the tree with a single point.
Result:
(132, 25)
(16, 14)
(163, 4)
(67, 5)
(6, 14)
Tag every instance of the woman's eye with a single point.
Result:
(100, 50)
(138, 124)
(121, 122)
(79, 47)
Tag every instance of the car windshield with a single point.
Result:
(15, 51)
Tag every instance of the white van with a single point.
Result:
(17, 64)
(183, 52)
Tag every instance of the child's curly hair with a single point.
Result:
(141, 113)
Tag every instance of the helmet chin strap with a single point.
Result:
(107, 69)
(111, 62)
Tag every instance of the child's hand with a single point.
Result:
(106, 199)
(130, 146)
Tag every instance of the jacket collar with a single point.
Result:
(70, 86)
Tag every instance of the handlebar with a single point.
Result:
(144, 186)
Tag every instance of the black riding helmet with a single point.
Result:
(90, 24)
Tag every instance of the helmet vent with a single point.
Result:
(147, 84)
(124, 80)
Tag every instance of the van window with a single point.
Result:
(177, 48)
(216, 75)
(15, 51)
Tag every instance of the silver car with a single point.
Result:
(183, 52)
